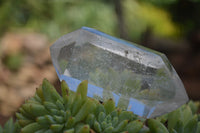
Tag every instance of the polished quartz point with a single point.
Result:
(139, 79)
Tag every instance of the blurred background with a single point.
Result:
(29, 27)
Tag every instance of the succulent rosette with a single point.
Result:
(73, 112)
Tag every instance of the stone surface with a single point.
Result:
(137, 78)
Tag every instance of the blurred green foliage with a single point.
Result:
(57, 17)
(140, 16)
(185, 13)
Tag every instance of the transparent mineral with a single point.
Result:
(137, 78)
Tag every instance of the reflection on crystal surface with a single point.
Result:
(138, 79)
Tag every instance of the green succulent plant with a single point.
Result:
(73, 112)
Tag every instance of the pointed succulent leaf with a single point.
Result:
(81, 128)
(39, 92)
(64, 88)
(115, 121)
(97, 127)
(25, 122)
(193, 107)
(90, 119)
(77, 104)
(46, 89)
(109, 106)
(31, 128)
(179, 126)
(173, 118)
(70, 123)
(87, 108)
(82, 89)
(56, 127)
(156, 127)
(60, 105)
(35, 109)
(108, 129)
(100, 108)
(101, 117)
(58, 119)
(120, 126)
(21, 117)
(134, 126)
(50, 105)
(191, 126)
(186, 115)
(9, 126)
(42, 120)
(125, 115)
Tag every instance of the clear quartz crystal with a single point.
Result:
(137, 78)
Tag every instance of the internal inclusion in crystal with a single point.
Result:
(138, 79)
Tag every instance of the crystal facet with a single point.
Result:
(137, 78)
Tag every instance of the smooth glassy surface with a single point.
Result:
(137, 78)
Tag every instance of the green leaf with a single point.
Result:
(186, 115)
(120, 126)
(125, 115)
(191, 126)
(24, 122)
(134, 126)
(82, 89)
(46, 89)
(31, 128)
(9, 126)
(90, 119)
(198, 127)
(97, 127)
(109, 106)
(64, 88)
(101, 117)
(156, 126)
(87, 108)
(179, 126)
(193, 107)
(82, 128)
(173, 118)
(35, 109)
(56, 127)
